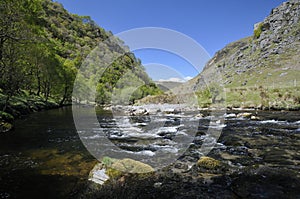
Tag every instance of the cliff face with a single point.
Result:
(271, 53)
(267, 59)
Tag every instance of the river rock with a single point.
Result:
(157, 185)
(115, 169)
(98, 174)
(169, 111)
(208, 163)
(231, 115)
(107, 108)
(127, 165)
(245, 115)
(139, 112)
(199, 115)
(253, 117)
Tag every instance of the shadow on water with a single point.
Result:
(43, 157)
(30, 184)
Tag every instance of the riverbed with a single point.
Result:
(44, 157)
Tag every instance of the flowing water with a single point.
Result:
(43, 157)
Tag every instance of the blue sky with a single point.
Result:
(212, 23)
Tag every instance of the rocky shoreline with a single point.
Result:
(207, 178)
(152, 109)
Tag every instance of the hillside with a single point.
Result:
(167, 85)
(260, 71)
(42, 47)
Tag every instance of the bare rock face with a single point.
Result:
(279, 29)
(249, 68)
(274, 44)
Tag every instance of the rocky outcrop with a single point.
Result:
(260, 63)
(277, 35)
(278, 31)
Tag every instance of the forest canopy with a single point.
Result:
(42, 47)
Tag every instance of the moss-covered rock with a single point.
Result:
(131, 166)
(208, 163)
(5, 127)
(113, 173)
(113, 169)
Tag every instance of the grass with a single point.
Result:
(264, 97)
(256, 97)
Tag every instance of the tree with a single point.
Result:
(14, 34)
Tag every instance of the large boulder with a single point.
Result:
(131, 166)
(110, 168)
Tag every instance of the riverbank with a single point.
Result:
(258, 98)
(22, 105)
(25, 104)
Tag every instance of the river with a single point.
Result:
(43, 157)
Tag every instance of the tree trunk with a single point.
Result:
(64, 96)
(39, 86)
(6, 103)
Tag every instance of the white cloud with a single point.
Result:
(176, 79)
(188, 78)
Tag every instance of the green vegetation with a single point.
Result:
(107, 161)
(264, 98)
(260, 97)
(204, 97)
(258, 31)
(42, 47)
(6, 116)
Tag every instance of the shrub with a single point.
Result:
(258, 31)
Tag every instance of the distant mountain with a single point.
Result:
(262, 70)
(167, 85)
